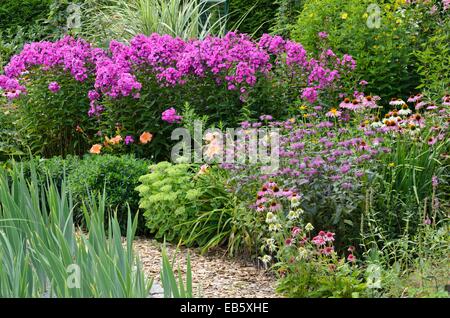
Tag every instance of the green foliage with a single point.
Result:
(121, 20)
(317, 276)
(41, 253)
(195, 208)
(411, 265)
(252, 16)
(23, 22)
(11, 142)
(55, 123)
(434, 60)
(15, 13)
(174, 286)
(117, 176)
(286, 15)
(91, 176)
(384, 55)
(168, 199)
(55, 169)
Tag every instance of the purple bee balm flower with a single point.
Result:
(345, 168)
(265, 117)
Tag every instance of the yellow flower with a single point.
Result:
(292, 120)
(365, 15)
(303, 107)
(344, 15)
(391, 165)
(305, 115)
(95, 149)
(146, 137)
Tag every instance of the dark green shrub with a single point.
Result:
(252, 16)
(286, 15)
(15, 13)
(117, 176)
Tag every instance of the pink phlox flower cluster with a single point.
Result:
(170, 116)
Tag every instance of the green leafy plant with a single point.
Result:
(434, 58)
(384, 54)
(410, 265)
(11, 142)
(55, 123)
(172, 284)
(253, 17)
(180, 203)
(43, 255)
(117, 176)
(185, 19)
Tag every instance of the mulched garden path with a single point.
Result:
(213, 274)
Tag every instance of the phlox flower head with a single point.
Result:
(170, 116)
(54, 87)
(128, 140)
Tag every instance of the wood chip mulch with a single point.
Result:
(214, 275)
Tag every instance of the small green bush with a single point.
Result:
(194, 207)
(117, 176)
(168, 199)
(90, 176)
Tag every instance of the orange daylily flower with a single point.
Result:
(95, 149)
(116, 140)
(146, 137)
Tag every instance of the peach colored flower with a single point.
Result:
(212, 150)
(146, 137)
(95, 149)
(203, 169)
(116, 140)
